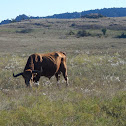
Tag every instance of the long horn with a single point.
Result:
(36, 71)
(17, 74)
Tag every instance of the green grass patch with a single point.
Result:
(41, 110)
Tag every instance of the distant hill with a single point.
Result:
(107, 12)
(94, 15)
(5, 21)
(18, 19)
(65, 15)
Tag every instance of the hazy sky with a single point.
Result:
(11, 8)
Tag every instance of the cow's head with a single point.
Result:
(28, 76)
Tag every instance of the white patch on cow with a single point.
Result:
(41, 70)
(58, 84)
(36, 83)
(67, 83)
(67, 79)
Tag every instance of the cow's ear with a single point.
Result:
(56, 54)
(64, 53)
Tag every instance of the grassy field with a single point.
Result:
(96, 70)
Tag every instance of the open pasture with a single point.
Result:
(96, 70)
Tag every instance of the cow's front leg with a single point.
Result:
(36, 83)
(36, 80)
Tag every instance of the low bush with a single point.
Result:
(71, 33)
(25, 31)
(123, 35)
(104, 31)
(82, 33)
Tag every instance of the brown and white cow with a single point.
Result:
(44, 65)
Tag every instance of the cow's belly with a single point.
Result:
(49, 68)
(49, 71)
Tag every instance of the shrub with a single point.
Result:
(72, 25)
(104, 31)
(71, 33)
(122, 36)
(25, 31)
(83, 33)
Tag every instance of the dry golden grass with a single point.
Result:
(51, 34)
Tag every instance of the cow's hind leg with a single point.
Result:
(66, 78)
(57, 78)
(64, 71)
